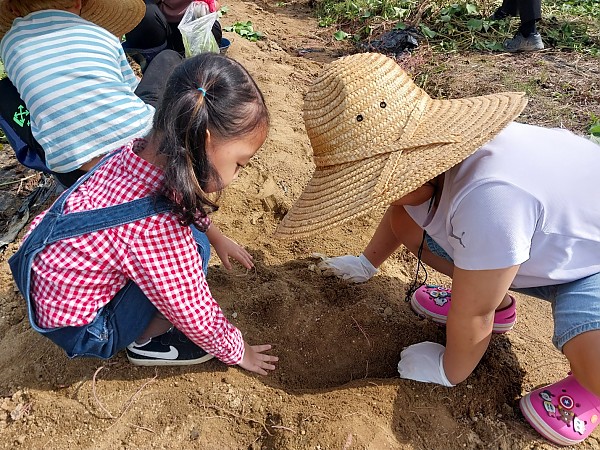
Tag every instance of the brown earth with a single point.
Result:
(336, 386)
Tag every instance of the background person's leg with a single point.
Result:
(530, 10)
(507, 9)
(155, 77)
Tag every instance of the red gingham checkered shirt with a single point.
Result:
(73, 278)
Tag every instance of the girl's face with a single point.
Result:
(228, 157)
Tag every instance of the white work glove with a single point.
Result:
(356, 269)
(424, 362)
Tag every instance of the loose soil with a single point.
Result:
(336, 386)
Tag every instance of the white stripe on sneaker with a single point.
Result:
(172, 354)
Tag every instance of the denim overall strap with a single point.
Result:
(56, 226)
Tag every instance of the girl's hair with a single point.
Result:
(206, 92)
(24, 8)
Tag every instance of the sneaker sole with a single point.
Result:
(540, 425)
(499, 328)
(526, 50)
(168, 362)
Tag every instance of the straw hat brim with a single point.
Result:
(117, 16)
(337, 194)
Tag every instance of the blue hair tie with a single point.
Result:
(203, 91)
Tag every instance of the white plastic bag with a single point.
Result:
(196, 29)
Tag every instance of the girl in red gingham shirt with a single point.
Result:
(119, 260)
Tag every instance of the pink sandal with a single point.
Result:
(433, 302)
(564, 412)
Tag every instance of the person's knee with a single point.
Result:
(168, 58)
(583, 353)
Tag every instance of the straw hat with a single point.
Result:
(117, 16)
(376, 136)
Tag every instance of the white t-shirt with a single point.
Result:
(531, 197)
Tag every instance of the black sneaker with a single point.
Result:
(170, 349)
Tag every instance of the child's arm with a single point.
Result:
(227, 248)
(396, 228)
(361, 268)
(475, 296)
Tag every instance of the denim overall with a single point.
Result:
(128, 314)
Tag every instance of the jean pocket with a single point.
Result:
(95, 341)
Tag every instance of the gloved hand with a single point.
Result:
(356, 269)
(424, 362)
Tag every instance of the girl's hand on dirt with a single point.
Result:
(255, 360)
(227, 248)
(424, 362)
(356, 269)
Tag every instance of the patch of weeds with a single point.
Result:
(594, 128)
(449, 25)
(362, 12)
(245, 30)
(2, 73)
(569, 35)
(530, 86)
(575, 8)
(223, 10)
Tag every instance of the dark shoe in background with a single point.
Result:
(520, 43)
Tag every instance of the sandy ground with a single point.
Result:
(336, 386)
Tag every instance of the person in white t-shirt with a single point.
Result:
(494, 204)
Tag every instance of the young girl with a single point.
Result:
(492, 203)
(114, 263)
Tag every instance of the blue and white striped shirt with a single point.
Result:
(77, 84)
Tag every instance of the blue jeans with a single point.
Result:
(575, 305)
(128, 314)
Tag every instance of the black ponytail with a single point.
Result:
(208, 92)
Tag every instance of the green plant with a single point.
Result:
(453, 25)
(2, 73)
(594, 129)
(245, 30)
(340, 35)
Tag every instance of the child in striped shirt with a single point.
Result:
(66, 60)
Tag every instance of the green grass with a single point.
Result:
(463, 25)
